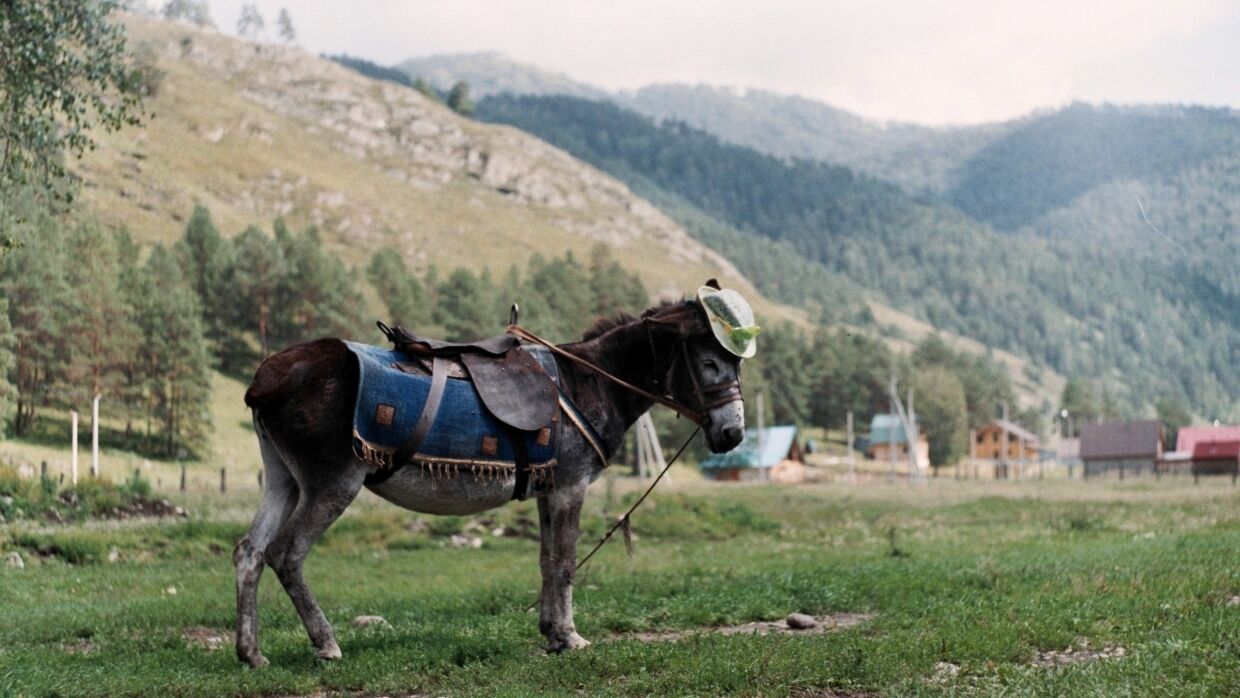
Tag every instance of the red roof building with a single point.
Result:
(1217, 458)
(1187, 438)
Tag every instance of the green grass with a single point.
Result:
(986, 576)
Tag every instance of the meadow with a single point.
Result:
(977, 588)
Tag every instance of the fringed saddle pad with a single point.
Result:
(464, 437)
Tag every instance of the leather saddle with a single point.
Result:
(512, 384)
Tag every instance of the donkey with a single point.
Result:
(303, 398)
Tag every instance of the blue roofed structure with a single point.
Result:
(766, 458)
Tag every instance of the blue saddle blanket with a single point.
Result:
(464, 434)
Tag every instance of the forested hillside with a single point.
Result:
(1047, 162)
(1085, 309)
(921, 159)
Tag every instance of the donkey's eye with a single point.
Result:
(710, 363)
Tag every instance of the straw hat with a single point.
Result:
(731, 319)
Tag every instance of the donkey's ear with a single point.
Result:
(713, 283)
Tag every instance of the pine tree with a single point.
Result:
(398, 288)
(250, 24)
(464, 307)
(101, 333)
(176, 357)
(257, 274)
(39, 300)
(134, 287)
(613, 289)
(193, 11)
(206, 259)
(318, 296)
(284, 24)
(8, 360)
(458, 99)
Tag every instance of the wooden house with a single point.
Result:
(770, 454)
(1022, 444)
(1122, 448)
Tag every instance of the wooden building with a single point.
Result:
(772, 454)
(1216, 458)
(1121, 448)
(1022, 444)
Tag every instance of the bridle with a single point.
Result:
(707, 397)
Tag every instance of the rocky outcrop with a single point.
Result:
(415, 141)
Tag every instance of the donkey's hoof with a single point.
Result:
(572, 641)
(256, 660)
(329, 652)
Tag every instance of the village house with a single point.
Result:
(887, 432)
(1022, 444)
(769, 454)
(1123, 448)
(1210, 450)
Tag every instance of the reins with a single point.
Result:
(729, 391)
(623, 521)
(667, 402)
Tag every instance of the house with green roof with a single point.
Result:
(770, 454)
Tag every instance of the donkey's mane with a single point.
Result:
(606, 324)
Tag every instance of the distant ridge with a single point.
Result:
(490, 73)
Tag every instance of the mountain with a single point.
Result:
(1147, 328)
(255, 131)
(921, 159)
(493, 73)
(1048, 162)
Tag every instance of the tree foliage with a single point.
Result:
(284, 25)
(458, 99)
(1142, 323)
(250, 23)
(64, 70)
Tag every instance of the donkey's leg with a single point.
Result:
(279, 497)
(559, 515)
(320, 505)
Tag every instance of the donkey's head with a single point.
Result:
(704, 360)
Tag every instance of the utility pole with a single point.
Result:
(910, 429)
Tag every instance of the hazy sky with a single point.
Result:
(913, 60)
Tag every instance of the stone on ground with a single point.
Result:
(368, 621)
(801, 621)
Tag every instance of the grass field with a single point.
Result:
(968, 583)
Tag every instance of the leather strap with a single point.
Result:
(521, 461)
(685, 412)
(439, 380)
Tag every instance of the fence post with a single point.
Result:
(94, 437)
(73, 458)
(182, 477)
(43, 470)
(223, 483)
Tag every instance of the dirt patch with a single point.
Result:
(826, 624)
(207, 638)
(801, 692)
(80, 645)
(1080, 651)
